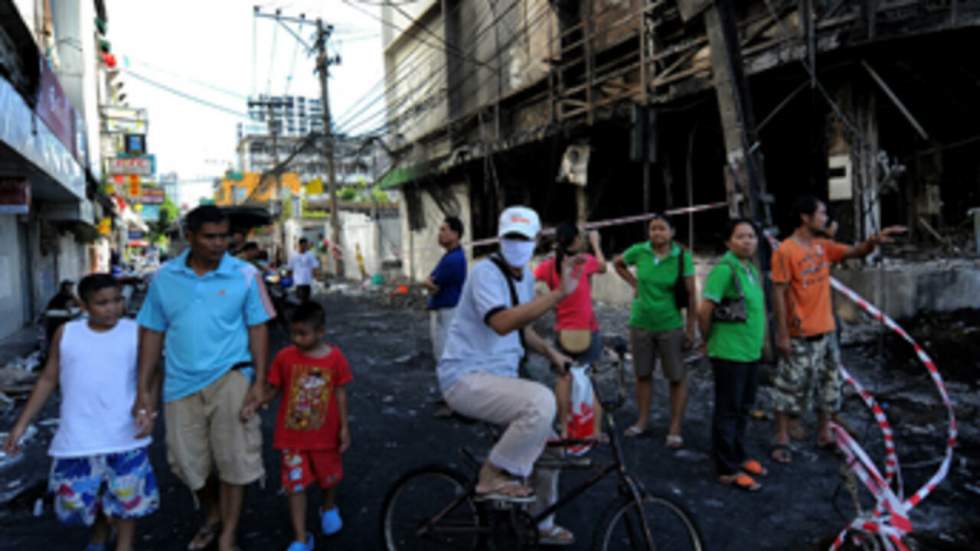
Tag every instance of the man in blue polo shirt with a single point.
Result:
(209, 310)
(445, 283)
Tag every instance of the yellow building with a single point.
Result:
(231, 191)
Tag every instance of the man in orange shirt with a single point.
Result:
(805, 320)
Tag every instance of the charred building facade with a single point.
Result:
(660, 104)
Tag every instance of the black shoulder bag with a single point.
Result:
(680, 287)
(732, 309)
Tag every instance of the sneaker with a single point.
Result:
(302, 545)
(330, 521)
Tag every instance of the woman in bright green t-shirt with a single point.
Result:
(658, 328)
(733, 320)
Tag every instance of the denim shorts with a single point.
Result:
(591, 355)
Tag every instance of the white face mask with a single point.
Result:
(516, 252)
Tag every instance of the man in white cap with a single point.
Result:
(478, 369)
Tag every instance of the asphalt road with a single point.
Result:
(393, 430)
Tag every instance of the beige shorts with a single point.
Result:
(647, 346)
(205, 433)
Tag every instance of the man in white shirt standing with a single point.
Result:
(304, 266)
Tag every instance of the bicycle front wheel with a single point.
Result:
(430, 509)
(671, 526)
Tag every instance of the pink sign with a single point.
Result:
(54, 108)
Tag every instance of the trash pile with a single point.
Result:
(17, 379)
(397, 293)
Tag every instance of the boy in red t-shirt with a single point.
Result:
(311, 426)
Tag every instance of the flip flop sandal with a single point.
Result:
(499, 493)
(205, 536)
(556, 535)
(754, 468)
(741, 481)
(780, 453)
(633, 431)
(674, 441)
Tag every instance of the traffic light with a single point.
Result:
(105, 47)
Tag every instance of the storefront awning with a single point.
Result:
(399, 176)
(34, 142)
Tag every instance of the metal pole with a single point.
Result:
(323, 69)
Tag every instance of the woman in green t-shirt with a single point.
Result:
(657, 326)
(733, 320)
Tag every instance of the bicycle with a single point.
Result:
(434, 507)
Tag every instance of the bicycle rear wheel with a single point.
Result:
(672, 527)
(430, 509)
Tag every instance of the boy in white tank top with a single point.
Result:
(101, 472)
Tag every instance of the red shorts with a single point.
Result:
(300, 468)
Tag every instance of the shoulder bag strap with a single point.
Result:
(514, 300)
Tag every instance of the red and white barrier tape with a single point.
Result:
(617, 221)
(890, 516)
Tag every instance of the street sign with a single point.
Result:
(144, 165)
(135, 144)
(123, 120)
(150, 213)
(152, 195)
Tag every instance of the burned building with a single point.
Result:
(669, 103)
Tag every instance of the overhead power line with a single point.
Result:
(431, 86)
(418, 61)
(204, 83)
(444, 44)
(185, 95)
(411, 60)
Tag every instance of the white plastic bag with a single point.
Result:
(581, 421)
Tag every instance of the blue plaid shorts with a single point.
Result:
(120, 485)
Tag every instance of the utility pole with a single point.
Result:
(323, 63)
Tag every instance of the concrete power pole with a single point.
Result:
(323, 63)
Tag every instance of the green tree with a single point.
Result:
(168, 214)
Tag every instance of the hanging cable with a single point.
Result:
(409, 64)
(255, 69)
(393, 119)
(401, 30)
(292, 66)
(272, 59)
(171, 72)
(185, 95)
(431, 84)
